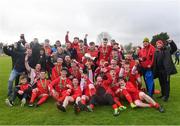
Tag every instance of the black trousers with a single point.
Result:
(176, 61)
(15, 94)
(105, 99)
(164, 81)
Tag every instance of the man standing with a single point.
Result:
(35, 52)
(104, 50)
(18, 66)
(57, 44)
(177, 54)
(146, 57)
(163, 66)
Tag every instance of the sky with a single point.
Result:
(125, 20)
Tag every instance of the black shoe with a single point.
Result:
(36, 105)
(165, 99)
(160, 96)
(60, 107)
(82, 107)
(161, 109)
(76, 109)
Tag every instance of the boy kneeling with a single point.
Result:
(21, 90)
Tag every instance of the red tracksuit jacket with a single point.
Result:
(60, 85)
(134, 92)
(76, 92)
(56, 72)
(105, 52)
(42, 86)
(148, 55)
(24, 87)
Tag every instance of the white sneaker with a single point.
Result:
(23, 102)
(8, 103)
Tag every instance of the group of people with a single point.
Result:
(87, 74)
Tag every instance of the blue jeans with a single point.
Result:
(149, 81)
(12, 77)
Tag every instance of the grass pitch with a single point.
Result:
(103, 115)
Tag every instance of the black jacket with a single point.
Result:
(164, 56)
(44, 61)
(18, 58)
(72, 52)
(35, 53)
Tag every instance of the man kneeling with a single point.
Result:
(41, 90)
(103, 96)
(74, 97)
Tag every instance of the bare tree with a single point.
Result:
(128, 47)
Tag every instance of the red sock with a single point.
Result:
(33, 97)
(156, 105)
(151, 105)
(114, 106)
(83, 101)
(91, 105)
(42, 100)
(61, 99)
(127, 95)
(117, 102)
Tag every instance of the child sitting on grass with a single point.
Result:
(22, 91)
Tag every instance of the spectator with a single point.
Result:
(163, 66)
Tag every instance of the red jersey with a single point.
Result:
(85, 87)
(116, 68)
(132, 63)
(42, 86)
(75, 73)
(24, 87)
(80, 53)
(134, 92)
(56, 72)
(105, 52)
(93, 53)
(60, 84)
(73, 44)
(76, 92)
(128, 76)
(147, 55)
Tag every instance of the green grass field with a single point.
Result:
(48, 113)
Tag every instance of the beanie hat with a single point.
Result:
(146, 40)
